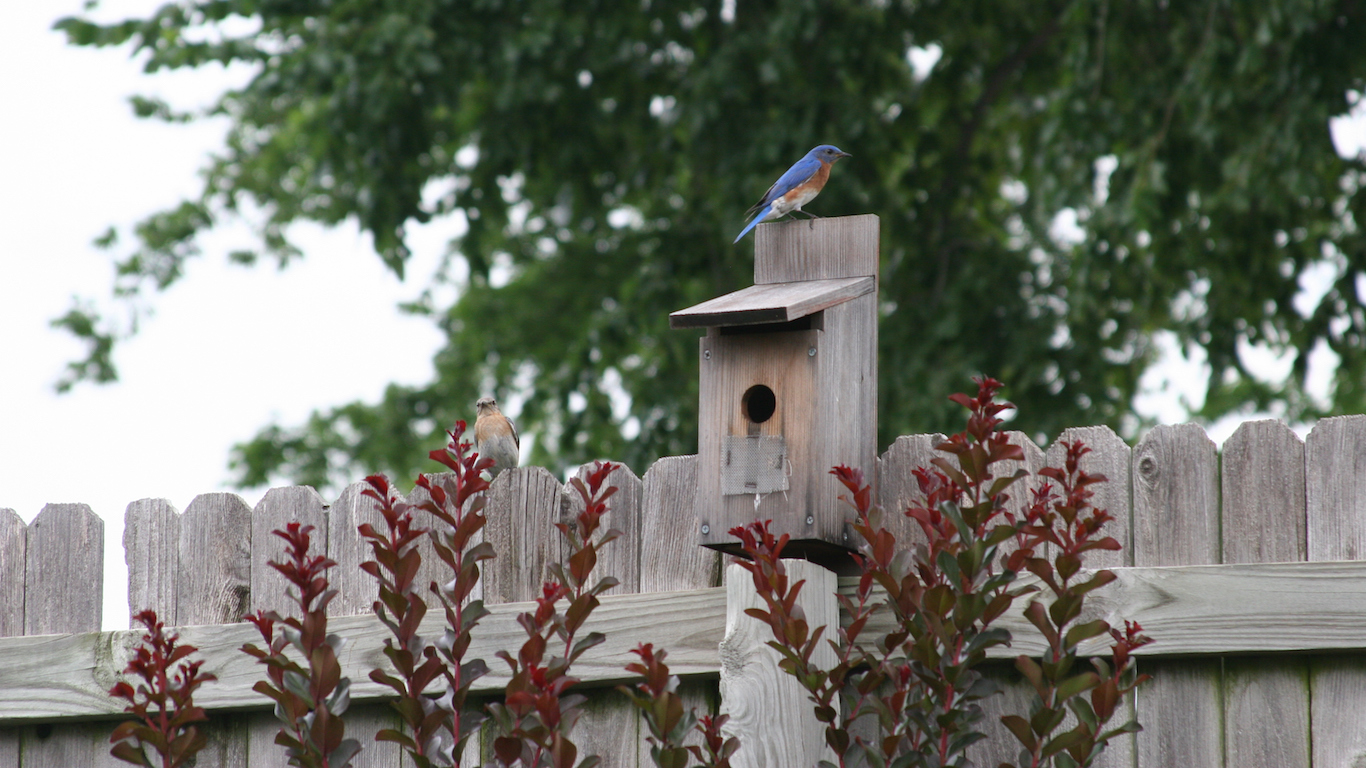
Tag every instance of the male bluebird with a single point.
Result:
(495, 437)
(799, 186)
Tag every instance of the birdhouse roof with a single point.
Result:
(772, 302)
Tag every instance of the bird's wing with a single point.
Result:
(800, 171)
(516, 440)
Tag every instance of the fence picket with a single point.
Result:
(13, 545)
(1335, 495)
(151, 548)
(13, 549)
(897, 486)
(1266, 701)
(215, 560)
(64, 576)
(523, 506)
(64, 571)
(1176, 522)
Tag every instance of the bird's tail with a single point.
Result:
(758, 217)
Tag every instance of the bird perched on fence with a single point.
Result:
(495, 436)
(799, 186)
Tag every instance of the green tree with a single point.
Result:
(604, 153)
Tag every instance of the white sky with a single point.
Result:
(228, 349)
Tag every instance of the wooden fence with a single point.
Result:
(1239, 572)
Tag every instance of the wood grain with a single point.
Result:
(1109, 456)
(279, 507)
(356, 590)
(151, 548)
(619, 558)
(846, 413)
(768, 708)
(524, 504)
(897, 487)
(772, 302)
(1264, 494)
(1335, 495)
(1266, 702)
(76, 744)
(64, 571)
(1335, 476)
(1176, 522)
(819, 249)
(215, 560)
(60, 676)
(1176, 497)
(13, 556)
(670, 558)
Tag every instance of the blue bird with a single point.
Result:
(799, 186)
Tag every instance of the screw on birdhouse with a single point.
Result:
(810, 520)
(810, 351)
(706, 529)
(706, 354)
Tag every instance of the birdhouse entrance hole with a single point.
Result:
(758, 404)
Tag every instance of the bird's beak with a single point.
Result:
(844, 154)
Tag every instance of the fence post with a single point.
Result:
(769, 711)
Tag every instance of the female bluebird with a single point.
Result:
(495, 436)
(799, 186)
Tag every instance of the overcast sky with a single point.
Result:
(229, 349)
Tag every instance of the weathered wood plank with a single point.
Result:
(356, 590)
(13, 549)
(670, 558)
(73, 744)
(523, 506)
(227, 736)
(1266, 713)
(279, 507)
(215, 560)
(610, 724)
(432, 569)
(1176, 522)
(1266, 702)
(1335, 495)
(610, 727)
(1264, 495)
(897, 487)
(772, 302)
(1336, 711)
(60, 676)
(151, 548)
(768, 709)
(620, 558)
(1176, 497)
(13, 556)
(1335, 477)
(9, 747)
(1000, 746)
(1110, 457)
(1214, 609)
(64, 571)
(818, 249)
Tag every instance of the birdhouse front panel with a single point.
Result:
(758, 427)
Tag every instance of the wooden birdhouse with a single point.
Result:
(789, 385)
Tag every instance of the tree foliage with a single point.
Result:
(603, 155)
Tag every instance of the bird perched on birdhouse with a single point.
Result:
(795, 188)
(495, 436)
